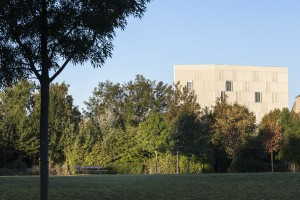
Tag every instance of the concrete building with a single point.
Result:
(261, 89)
(296, 106)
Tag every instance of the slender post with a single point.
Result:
(272, 165)
(189, 165)
(294, 167)
(177, 163)
(156, 163)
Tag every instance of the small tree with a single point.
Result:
(272, 136)
(271, 132)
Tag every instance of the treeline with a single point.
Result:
(144, 126)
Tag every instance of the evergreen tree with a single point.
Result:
(16, 108)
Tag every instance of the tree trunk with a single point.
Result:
(294, 167)
(189, 165)
(33, 160)
(156, 163)
(33, 166)
(4, 159)
(44, 126)
(272, 164)
(44, 116)
(177, 163)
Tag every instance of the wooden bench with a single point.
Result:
(89, 168)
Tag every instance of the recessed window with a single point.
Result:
(228, 85)
(257, 97)
(189, 85)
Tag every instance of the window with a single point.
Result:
(228, 85)
(189, 85)
(257, 97)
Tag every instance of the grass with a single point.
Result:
(197, 186)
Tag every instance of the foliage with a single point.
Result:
(252, 157)
(187, 136)
(63, 121)
(190, 128)
(181, 101)
(233, 125)
(130, 120)
(21, 106)
(290, 150)
(127, 131)
(73, 31)
(271, 132)
(272, 137)
(152, 137)
(16, 104)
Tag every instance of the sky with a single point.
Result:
(237, 32)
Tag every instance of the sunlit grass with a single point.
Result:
(197, 186)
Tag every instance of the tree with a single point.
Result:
(19, 127)
(139, 99)
(152, 136)
(16, 105)
(271, 132)
(182, 117)
(41, 38)
(291, 150)
(233, 125)
(107, 99)
(181, 100)
(126, 111)
(290, 147)
(205, 155)
(272, 136)
(189, 136)
(63, 120)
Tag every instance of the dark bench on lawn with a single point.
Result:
(89, 169)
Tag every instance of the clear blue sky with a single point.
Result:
(239, 32)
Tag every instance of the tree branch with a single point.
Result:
(75, 25)
(67, 61)
(29, 56)
(61, 68)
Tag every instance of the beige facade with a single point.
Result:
(261, 89)
(296, 106)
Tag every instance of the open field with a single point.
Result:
(197, 186)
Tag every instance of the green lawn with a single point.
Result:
(200, 186)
